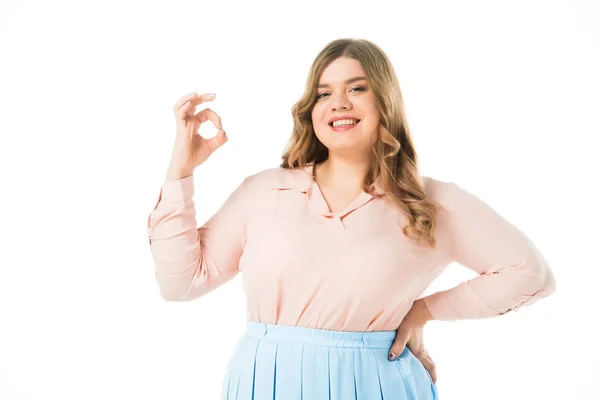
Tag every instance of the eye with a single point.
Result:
(361, 89)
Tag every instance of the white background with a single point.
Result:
(501, 97)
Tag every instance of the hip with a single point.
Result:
(287, 362)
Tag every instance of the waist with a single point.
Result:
(322, 337)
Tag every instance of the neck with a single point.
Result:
(337, 172)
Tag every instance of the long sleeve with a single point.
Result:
(512, 271)
(190, 261)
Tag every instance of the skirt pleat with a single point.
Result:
(315, 372)
(266, 369)
(225, 386)
(288, 382)
(278, 362)
(248, 354)
(368, 381)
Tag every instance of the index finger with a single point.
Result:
(194, 97)
(208, 114)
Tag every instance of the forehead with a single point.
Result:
(339, 70)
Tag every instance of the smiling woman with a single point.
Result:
(353, 94)
(354, 79)
(337, 245)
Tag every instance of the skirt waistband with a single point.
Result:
(323, 337)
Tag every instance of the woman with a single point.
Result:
(338, 243)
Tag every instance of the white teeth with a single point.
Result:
(344, 122)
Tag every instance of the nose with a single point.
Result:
(340, 102)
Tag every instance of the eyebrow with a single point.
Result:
(349, 81)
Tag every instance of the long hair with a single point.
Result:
(394, 158)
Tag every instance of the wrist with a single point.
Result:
(174, 174)
(419, 312)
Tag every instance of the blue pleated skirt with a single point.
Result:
(280, 362)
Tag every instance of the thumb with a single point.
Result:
(397, 348)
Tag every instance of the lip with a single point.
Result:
(332, 120)
(343, 128)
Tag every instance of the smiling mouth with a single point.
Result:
(331, 124)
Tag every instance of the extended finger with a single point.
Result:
(194, 99)
(429, 365)
(183, 100)
(397, 347)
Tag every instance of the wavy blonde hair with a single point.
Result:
(393, 157)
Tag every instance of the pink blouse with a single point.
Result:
(354, 270)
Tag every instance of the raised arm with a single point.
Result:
(190, 261)
(512, 271)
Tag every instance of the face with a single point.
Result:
(339, 94)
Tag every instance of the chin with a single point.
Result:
(345, 146)
(344, 140)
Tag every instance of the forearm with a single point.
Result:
(491, 295)
(173, 238)
(192, 261)
(512, 272)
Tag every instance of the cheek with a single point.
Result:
(317, 114)
(374, 138)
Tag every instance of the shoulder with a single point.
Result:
(278, 178)
(265, 175)
(448, 194)
(436, 190)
